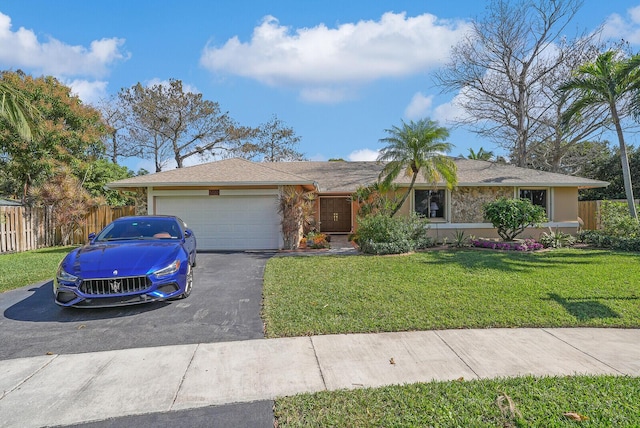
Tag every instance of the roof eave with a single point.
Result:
(124, 186)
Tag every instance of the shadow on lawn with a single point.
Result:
(587, 308)
(509, 261)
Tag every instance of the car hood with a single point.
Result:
(128, 259)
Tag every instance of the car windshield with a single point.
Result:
(141, 229)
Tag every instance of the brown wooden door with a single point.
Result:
(335, 214)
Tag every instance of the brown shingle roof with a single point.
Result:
(220, 173)
(345, 176)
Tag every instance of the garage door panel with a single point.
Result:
(227, 222)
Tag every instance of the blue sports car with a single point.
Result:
(132, 260)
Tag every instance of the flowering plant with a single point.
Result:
(317, 240)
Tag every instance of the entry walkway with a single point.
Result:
(67, 389)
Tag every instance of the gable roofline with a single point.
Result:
(336, 177)
(227, 172)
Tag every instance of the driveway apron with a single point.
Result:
(224, 306)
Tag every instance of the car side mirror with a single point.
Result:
(92, 236)
(188, 233)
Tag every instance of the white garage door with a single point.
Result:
(227, 222)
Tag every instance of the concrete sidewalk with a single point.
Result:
(67, 389)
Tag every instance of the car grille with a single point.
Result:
(108, 286)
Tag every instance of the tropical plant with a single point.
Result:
(459, 239)
(414, 148)
(481, 154)
(613, 81)
(556, 239)
(375, 198)
(17, 110)
(297, 207)
(512, 216)
(68, 201)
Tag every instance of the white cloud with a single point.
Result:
(88, 91)
(350, 54)
(363, 155)
(22, 49)
(627, 28)
(419, 107)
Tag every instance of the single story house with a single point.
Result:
(232, 204)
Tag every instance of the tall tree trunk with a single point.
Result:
(404, 198)
(624, 160)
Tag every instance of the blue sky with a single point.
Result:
(361, 66)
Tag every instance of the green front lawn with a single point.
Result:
(20, 269)
(459, 289)
(451, 289)
(600, 401)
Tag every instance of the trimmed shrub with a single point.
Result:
(600, 239)
(381, 234)
(512, 216)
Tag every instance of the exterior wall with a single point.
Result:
(565, 204)
(466, 202)
(465, 213)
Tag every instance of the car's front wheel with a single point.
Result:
(189, 285)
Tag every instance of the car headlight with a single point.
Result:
(65, 276)
(172, 268)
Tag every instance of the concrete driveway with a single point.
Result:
(224, 306)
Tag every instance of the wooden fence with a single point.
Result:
(26, 228)
(589, 212)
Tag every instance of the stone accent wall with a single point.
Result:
(466, 202)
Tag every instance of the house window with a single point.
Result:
(430, 203)
(536, 196)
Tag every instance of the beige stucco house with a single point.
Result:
(232, 204)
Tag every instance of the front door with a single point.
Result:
(335, 214)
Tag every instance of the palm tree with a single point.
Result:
(417, 147)
(481, 154)
(16, 109)
(613, 82)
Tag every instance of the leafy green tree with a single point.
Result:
(97, 174)
(69, 133)
(613, 81)
(576, 158)
(417, 148)
(512, 216)
(607, 167)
